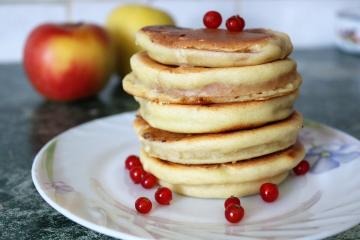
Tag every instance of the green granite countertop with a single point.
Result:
(330, 94)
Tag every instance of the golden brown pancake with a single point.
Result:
(241, 171)
(223, 190)
(215, 118)
(199, 85)
(213, 47)
(218, 147)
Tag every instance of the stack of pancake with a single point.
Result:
(216, 111)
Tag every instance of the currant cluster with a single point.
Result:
(213, 19)
(138, 175)
(234, 212)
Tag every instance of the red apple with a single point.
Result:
(68, 61)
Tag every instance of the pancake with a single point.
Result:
(223, 190)
(242, 171)
(199, 85)
(213, 47)
(218, 147)
(215, 117)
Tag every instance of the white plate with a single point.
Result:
(81, 174)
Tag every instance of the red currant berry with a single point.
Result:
(235, 23)
(234, 213)
(269, 192)
(163, 196)
(137, 174)
(231, 200)
(149, 181)
(302, 168)
(132, 161)
(212, 19)
(143, 205)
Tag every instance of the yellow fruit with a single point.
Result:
(122, 24)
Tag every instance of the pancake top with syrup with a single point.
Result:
(208, 39)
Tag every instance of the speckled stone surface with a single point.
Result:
(330, 94)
